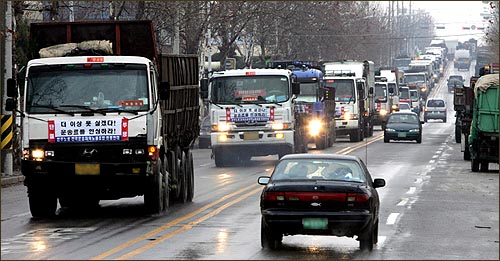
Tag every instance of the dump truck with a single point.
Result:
(106, 117)
(463, 99)
(483, 138)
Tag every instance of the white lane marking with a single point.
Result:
(435, 156)
(418, 181)
(432, 161)
(391, 219)
(411, 190)
(403, 202)
(204, 165)
(381, 241)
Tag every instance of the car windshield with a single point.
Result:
(250, 89)
(403, 118)
(319, 169)
(404, 106)
(435, 103)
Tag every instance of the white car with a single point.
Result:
(404, 107)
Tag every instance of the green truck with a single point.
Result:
(483, 138)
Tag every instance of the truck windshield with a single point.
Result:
(405, 94)
(308, 92)
(413, 96)
(250, 89)
(76, 88)
(414, 78)
(344, 89)
(402, 62)
(380, 93)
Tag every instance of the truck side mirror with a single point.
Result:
(391, 90)
(11, 88)
(296, 88)
(204, 88)
(370, 91)
(10, 104)
(164, 90)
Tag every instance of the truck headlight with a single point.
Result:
(383, 112)
(38, 154)
(315, 127)
(423, 89)
(280, 126)
(222, 126)
(347, 116)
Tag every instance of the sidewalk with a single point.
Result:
(15, 178)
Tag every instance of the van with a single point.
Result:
(435, 108)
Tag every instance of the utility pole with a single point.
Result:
(6, 153)
(3, 11)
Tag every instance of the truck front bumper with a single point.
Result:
(344, 127)
(255, 143)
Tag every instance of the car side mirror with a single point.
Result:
(164, 90)
(422, 122)
(378, 183)
(263, 180)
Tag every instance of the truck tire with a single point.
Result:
(155, 191)
(182, 183)
(332, 139)
(355, 136)
(43, 203)
(458, 134)
(321, 142)
(474, 165)
(219, 159)
(484, 166)
(190, 176)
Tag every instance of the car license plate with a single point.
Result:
(251, 136)
(87, 169)
(401, 134)
(315, 223)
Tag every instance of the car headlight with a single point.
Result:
(315, 127)
(414, 130)
(383, 112)
(390, 130)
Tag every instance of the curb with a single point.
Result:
(9, 181)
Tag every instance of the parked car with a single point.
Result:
(320, 194)
(204, 138)
(403, 126)
(435, 108)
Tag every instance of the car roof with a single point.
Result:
(320, 156)
(435, 99)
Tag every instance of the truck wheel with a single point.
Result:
(474, 165)
(165, 182)
(190, 176)
(154, 194)
(467, 149)
(484, 166)
(458, 134)
(183, 180)
(355, 136)
(332, 139)
(321, 142)
(219, 159)
(43, 203)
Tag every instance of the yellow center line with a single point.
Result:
(201, 219)
(169, 224)
(188, 226)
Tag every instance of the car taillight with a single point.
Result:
(357, 197)
(274, 196)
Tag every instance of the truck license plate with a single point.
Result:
(87, 169)
(315, 223)
(251, 136)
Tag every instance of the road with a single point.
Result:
(433, 207)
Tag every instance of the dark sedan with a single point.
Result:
(320, 194)
(403, 126)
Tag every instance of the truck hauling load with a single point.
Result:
(99, 127)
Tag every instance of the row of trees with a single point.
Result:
(256, 31)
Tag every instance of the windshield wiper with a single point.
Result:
(119, 110)
(277, 103)
(55, 108)
(220, 107)
(83, 107)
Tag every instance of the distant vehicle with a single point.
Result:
(403, 126)
(453, 83)
(462, 59)
(347, 203)
(456, 77)
(404, 107)
(435, 108)
(204, 138)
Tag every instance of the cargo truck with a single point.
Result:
(106, 123)
(254, 112)
(483, 138)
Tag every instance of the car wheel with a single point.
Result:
(419, 139)
(444, 120)
(386, 139)
(268, 238)
(425, 119)
(367, 238)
